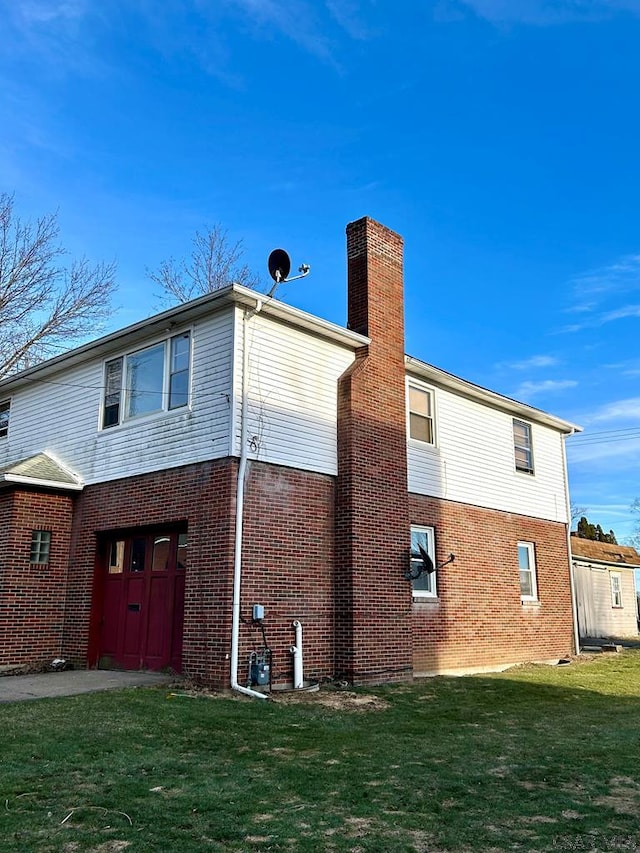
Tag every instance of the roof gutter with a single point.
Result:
(35, 481)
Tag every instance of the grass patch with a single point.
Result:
(536, 758)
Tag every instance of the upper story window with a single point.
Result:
(421, 425)
(424, 586)
(615, 579)
(153, 379)
(5, 407)
(522, 446)
(527, 566)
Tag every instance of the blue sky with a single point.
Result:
(499, 137)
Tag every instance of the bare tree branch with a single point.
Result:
(45, 305)
(215, 262)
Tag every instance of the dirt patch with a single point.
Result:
(337, 700)
(623, 796)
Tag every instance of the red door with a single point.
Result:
(143, 601)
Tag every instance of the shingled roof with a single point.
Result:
(40, 470)
(604, 552)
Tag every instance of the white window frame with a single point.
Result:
(529, 469)
(531, 568)
(616, 589)
(431, 418)
(168, 373)
(5, 416)
(430, 539)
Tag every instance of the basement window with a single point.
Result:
(5, 408)
(150, 380)
(40, 547)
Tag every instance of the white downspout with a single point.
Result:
(572, 584)
(242, 470)
(296, 651)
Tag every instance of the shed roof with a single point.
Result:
(604, 552)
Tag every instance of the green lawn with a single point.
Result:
(537, 758)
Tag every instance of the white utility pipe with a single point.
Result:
(296, 651)
(242, 470)
(572, 581)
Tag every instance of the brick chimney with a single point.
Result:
(373, 600)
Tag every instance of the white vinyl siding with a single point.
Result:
(161, 440)
(293, 394)
(474, 461)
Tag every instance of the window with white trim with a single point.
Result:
(615, 579)
(424, 586)
(40, 547)
(5, 408)
(421, 422)
(527, 567)
(153, 379)
(522, 446)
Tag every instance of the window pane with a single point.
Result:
(160, 559)
(40, 545)
(145, 375)
(526, 584)
(116, 557)
(523, 557)
(4, 417)
(420, 401)
(420, 428)
(179, 389)
(180, 347)
(182, 550)
(137, 555)
(112, 392)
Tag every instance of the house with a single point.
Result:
(605, 588)
(235, 475)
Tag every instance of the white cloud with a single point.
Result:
(547, 12)
(349, 16)
(527, 390)
(534, 361)
(594, 292)
(622, 410)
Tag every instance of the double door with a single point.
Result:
(143, 600)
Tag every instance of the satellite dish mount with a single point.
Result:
(279, 264)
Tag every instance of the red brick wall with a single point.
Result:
(287, 561)
(478, 619)
(201, 495)
(288, 567)
(32, 597)
(372, 527)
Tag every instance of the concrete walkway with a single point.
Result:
(17, 688)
